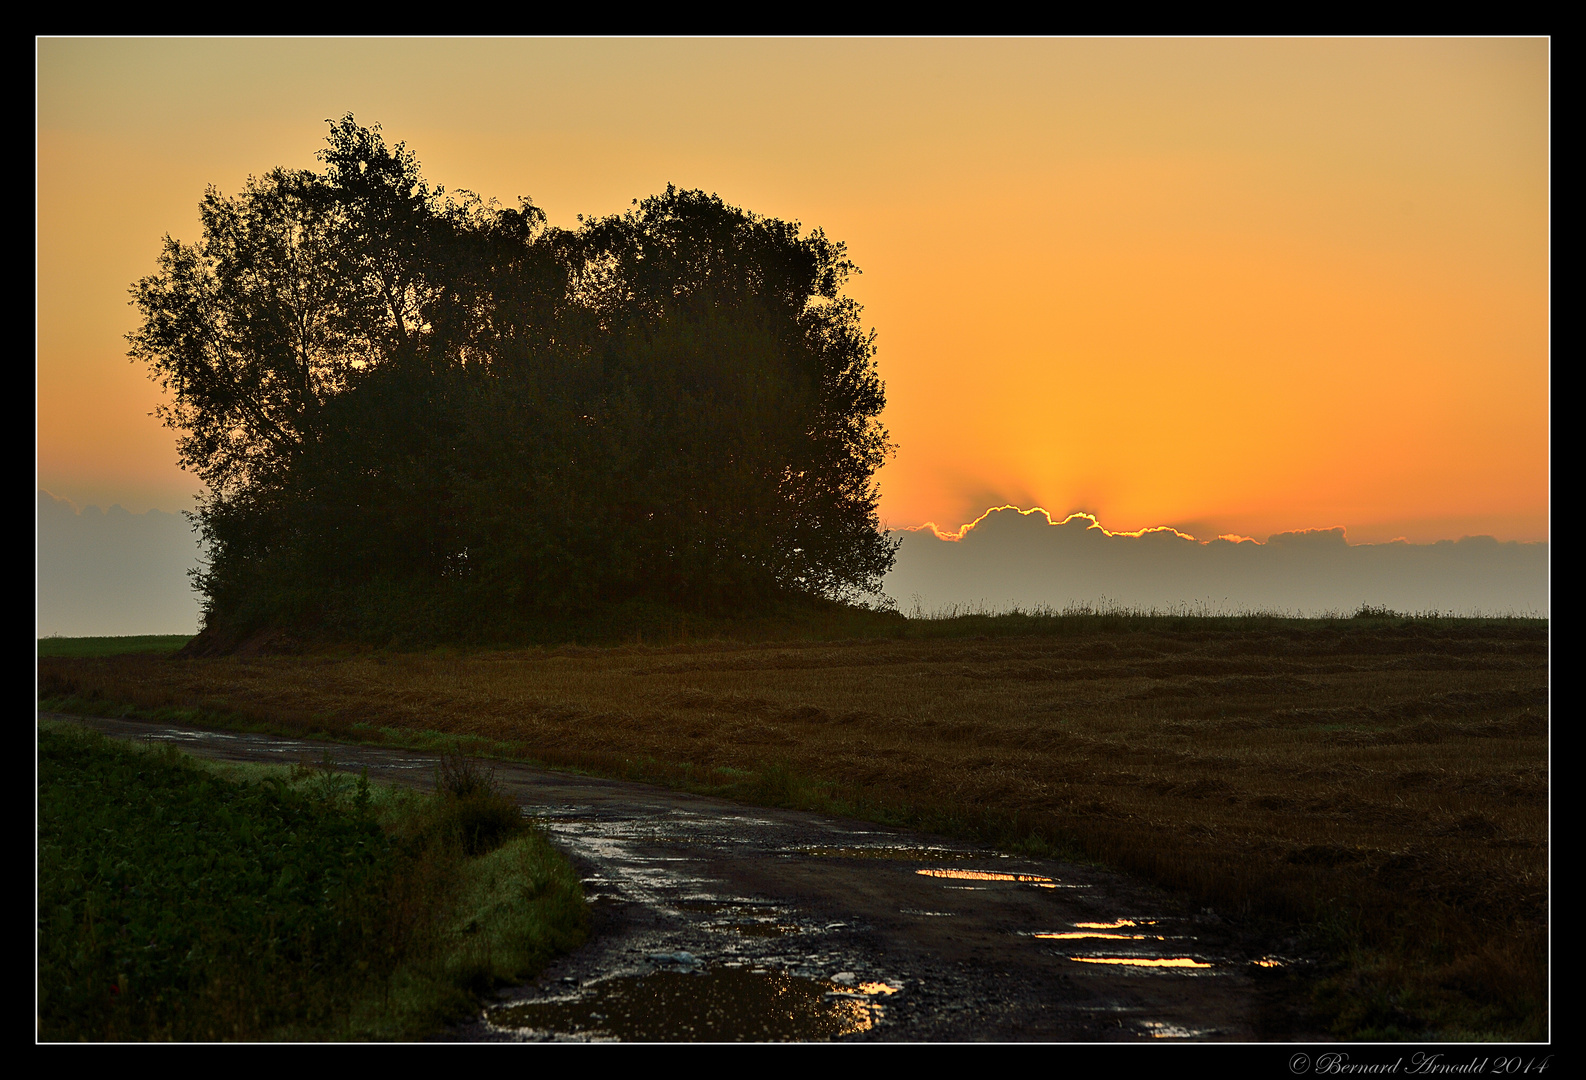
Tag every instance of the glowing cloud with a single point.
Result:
(1011, 558)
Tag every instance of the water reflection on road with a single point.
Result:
(717, 922)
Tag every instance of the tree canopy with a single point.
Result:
(421, 411)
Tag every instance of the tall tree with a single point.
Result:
(409, 405)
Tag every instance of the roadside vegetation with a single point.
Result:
(1373, 788)
(181, 900)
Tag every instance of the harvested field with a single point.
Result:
(1383, 783)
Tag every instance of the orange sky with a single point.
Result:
(1229, 286)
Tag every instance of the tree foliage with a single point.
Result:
(417, 407)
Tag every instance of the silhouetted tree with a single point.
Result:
(422, 409)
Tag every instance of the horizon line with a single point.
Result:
(956, 535)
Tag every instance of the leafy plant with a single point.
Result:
(475, 812)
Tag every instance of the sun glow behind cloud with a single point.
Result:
(963, 530)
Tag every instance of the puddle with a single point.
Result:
(872, 989)
(910, 854)
(1088, 934)
(984, 875)
(1119, 930)
(742, 917)
(1161, 1030)
(715, 907)
(1100, 931)
(1145, 961)
(763, 929)
(1275, 961)
(720, 1004)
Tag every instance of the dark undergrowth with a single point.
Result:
(184, 901)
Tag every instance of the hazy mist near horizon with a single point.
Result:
(1021, 560)
(111, 572)
(106, 573)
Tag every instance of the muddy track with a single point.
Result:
(718, 921)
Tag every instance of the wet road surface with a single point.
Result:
(717, 921)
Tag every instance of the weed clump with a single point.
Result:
(474, 812)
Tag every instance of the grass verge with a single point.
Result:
(189, 901)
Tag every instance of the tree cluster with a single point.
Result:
(417, 409)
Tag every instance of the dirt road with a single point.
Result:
(717, 921)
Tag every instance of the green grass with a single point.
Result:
(111, 646)
(191, 901)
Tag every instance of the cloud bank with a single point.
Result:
(112, 572)
(1022, 559)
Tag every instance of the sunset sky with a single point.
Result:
(1234, 287)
